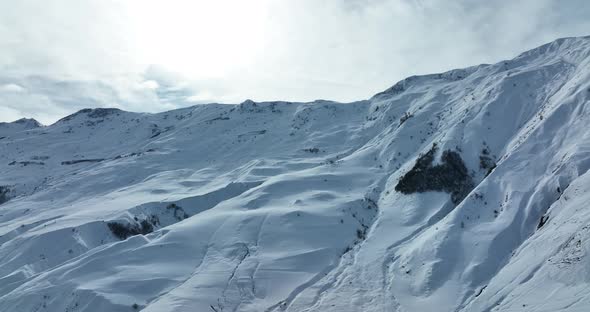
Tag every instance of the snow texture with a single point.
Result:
(462, 191)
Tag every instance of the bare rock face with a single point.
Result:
(450, 176)
(4, 194)
(125, 230)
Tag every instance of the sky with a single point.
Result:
(59, 56)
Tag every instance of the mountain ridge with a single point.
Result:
(281, 206)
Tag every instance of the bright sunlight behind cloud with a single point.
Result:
(150, 55)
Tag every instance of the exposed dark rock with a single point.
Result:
(451, 176)
(134, 154)
(215, 119)
(122, 230)
(313, 150)
(542, 221)
(486, 161)
(26, 163)
(405, 117)
(361, 233)
(73, 162)
(156, 131)
(481, 291)
(92, 113)
(102, 112)
(178, 212)
(39, 157)
(4, 194)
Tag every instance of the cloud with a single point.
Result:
(11, 88)
(150, 55)
(363, 48)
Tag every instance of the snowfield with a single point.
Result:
(462, 191)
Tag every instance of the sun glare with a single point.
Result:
(198, 38)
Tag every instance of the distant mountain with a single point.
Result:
(461, 191)
(19, 125)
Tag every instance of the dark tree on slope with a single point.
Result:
(450, 176)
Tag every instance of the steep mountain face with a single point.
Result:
(461, 191)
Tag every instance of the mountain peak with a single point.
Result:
(92, 113)
(461, 191)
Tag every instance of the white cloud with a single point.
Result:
(9, 114)
(150, 84)
(11, 87)
(152, 55)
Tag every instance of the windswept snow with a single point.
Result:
(280, 206)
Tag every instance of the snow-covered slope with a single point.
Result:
(462, 191)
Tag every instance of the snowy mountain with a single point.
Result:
(462, 191)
